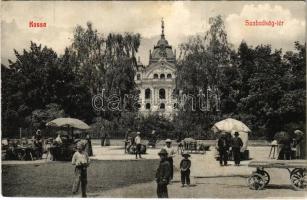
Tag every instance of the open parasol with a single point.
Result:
(229, 125)
(68, 122)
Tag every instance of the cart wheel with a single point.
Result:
(298, 179)
(265, 176)
(256, 181)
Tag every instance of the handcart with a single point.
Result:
(296, 168)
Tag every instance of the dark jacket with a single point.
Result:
(223, 144)
(163, 172)
(236, 142)
(185, 164)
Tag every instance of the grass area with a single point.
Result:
(54, 179)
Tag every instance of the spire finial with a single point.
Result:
(162, 26)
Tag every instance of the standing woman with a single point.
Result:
(102, 136)
(88, 146)
(170, 154)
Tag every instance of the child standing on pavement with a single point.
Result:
(81, 160)
(185, 165)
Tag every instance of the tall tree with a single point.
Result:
(201, 66)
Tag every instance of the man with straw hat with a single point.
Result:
(163, 175)
(137, 141)
(171, 152)
(81, 160)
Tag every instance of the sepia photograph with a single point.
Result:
(153, 99)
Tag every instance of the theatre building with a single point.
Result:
(156, 82)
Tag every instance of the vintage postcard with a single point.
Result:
(153, 99)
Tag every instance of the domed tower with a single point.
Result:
(162, 50)
(156, 82)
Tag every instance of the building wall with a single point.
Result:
(147, 80)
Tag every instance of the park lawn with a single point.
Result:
(54, 179)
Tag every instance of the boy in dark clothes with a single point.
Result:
(185, 165)
(163, 175)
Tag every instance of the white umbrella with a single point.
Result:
(230, 125)
(68, 122)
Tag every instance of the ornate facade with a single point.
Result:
(156, 82)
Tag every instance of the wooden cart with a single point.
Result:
(296, 168)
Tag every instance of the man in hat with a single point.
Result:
(223, 147)
(170, 154)
(81, 160)
(185, 165)
(163, 175)
(137, 141)
(236, 145)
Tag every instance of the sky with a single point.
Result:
(182, 19)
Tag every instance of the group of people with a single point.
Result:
(164, 173)
(288, 144)
(225, 142)
(24, 149)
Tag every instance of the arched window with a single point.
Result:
(162, 93)
(169, 76)
(147, 93)
(156, 76)
(162, 106)
(138, 77)
(138, 106)
(162, 76)
(147, 106)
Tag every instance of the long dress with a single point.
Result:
(88, 146)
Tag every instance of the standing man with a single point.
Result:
(223, 147)
(138, 145)
(163, 175)
(38, 143)
(300, 144)
(285, 152)
(81, 160)
(170, 154)
(236, 145)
